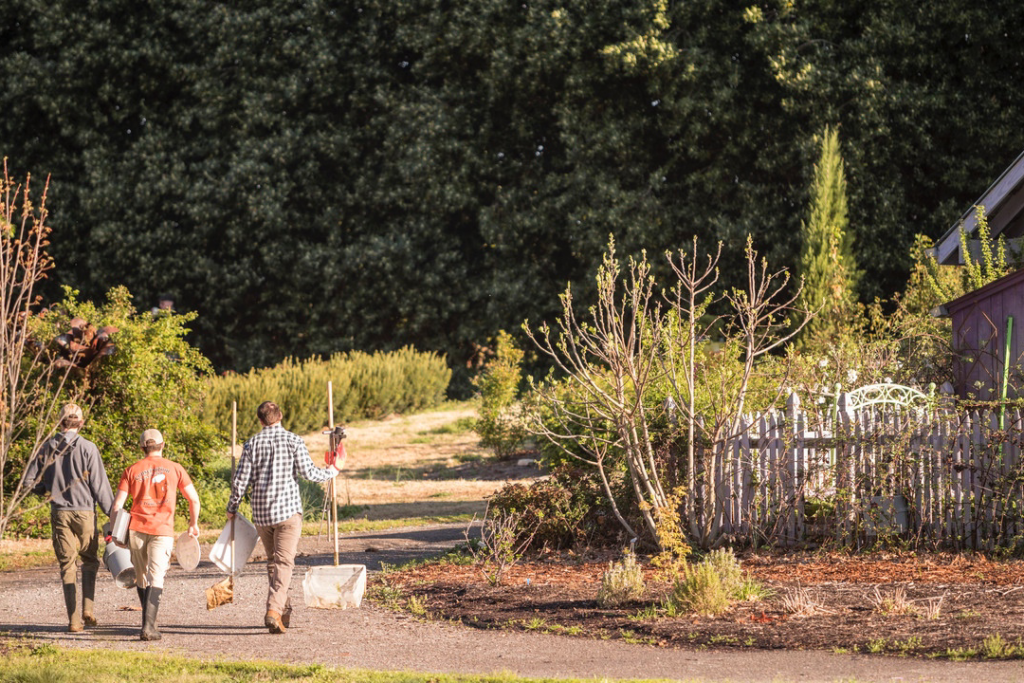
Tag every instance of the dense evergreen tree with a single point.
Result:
(313, 176)
(827, 264)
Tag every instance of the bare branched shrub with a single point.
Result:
(30, 380)
(892, 603)
(505, 534)
(623, 582)
(635, 345)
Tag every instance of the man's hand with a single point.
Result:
(193, 530)
(231, 516)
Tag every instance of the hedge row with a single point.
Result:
(365, 386)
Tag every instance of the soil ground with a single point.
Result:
(917, 606)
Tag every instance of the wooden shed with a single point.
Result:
(988, 336)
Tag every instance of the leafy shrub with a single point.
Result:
(622, 583)
(154, 379)
(565, 509)
(364, 386)
(502, 425)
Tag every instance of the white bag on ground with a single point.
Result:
(335, 587)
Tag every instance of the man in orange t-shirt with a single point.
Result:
(153, 483)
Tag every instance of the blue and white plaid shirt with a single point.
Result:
(272, 461)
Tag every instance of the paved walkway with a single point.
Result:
(374, 638)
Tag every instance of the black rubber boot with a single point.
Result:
(142, 601)
(88, 597)
(149, 631)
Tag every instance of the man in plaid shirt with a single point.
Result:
(271, 463)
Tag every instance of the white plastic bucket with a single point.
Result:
(333, 587)
(119, 562)
(245, 542)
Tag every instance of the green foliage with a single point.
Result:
(364, 386)
(990, 264)
(710, 586)
(622, 583)
(336, 177)
(827, 263)
(154, 379)
(557, 511)
(502, 423)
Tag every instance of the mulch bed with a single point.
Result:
(976, 599)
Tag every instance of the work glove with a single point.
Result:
(337, 456)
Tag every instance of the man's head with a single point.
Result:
(152, 441)
(70, 417)
(268, 413)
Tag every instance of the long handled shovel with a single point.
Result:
(223, 592)
(342, 585)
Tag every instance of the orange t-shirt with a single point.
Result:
(153, 483)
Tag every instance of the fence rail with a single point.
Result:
(927, 474)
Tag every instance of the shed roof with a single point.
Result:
(1004, 206)
(1014, 279)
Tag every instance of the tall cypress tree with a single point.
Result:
(827, 262)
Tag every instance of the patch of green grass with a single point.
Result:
(468, 457)
(535, 624)
(16, 560)
(461, 426)
(634, 638)
(421, 439)
(358, 525)
(48, 664)
(961, 654)
(565, 630)
(876, 646)
(997, 647)
(416, 606)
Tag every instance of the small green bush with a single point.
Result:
(364, 386)
(502, 425)
(622, 583)
(562, 509)
(701, 590)
(710, 586)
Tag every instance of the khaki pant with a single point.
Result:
(74, 536)
(280, 541)
(151, 556)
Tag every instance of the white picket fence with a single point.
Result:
(927, 475)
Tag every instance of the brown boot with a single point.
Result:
(75, 624)
(273, 622)
(286, 616)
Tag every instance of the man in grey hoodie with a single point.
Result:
(69, 468)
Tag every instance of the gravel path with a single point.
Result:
(373, 638)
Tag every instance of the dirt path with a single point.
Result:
(374, 638)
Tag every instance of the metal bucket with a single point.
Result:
(119, 562)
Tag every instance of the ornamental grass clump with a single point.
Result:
(710, 586)
(622, 583)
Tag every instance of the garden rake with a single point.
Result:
(223, 592)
